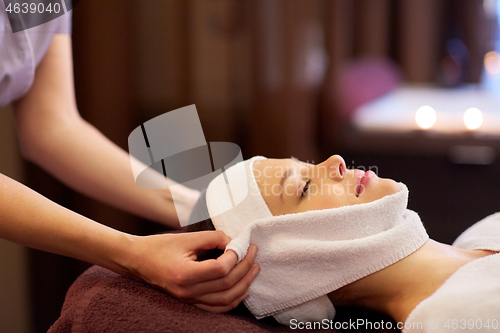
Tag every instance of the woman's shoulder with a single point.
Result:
(483, 235)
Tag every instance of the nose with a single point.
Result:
(334, 167)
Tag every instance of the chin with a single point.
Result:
(380, 188)
(391, 186)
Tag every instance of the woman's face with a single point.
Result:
(290, 186)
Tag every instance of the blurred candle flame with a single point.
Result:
(425, 117)
(473, 118)
(492, 62)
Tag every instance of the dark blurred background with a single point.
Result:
(276, 77)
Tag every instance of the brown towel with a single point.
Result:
(103, 301)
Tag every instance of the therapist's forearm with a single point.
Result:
(167, 261)
(30, 219)
(84, 159)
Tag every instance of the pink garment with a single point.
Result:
(364, 80)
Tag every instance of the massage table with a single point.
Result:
(103, 301)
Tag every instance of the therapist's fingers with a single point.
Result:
(229, 296)
(212, 269)
(223, 308)
(169, 262)
(240, 273)
(200, 271)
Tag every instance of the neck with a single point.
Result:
(399, 288)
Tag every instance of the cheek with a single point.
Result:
(326, 197)
(320, 203)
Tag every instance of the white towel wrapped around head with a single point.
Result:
(305, 256)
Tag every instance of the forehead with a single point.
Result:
(271, 168)
(268, 173)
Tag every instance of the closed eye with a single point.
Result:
(306, 188)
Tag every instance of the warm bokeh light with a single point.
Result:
(492, 63)
(425, 117)
(473, 118)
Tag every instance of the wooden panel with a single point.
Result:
(14, 279)
(210, 47)
(420, 38)
(284, 111)
(162, 68)
(103, 53)
(477, 35)
(372, 26)
(339, 45)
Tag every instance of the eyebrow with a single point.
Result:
(289, 171)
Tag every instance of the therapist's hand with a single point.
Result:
(168, 261)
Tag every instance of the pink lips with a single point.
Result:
(362, 180)
(367, 177)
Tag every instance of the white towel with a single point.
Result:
(305, 256)
(484, 235)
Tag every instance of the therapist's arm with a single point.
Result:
(167, 261)
(54, 136)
